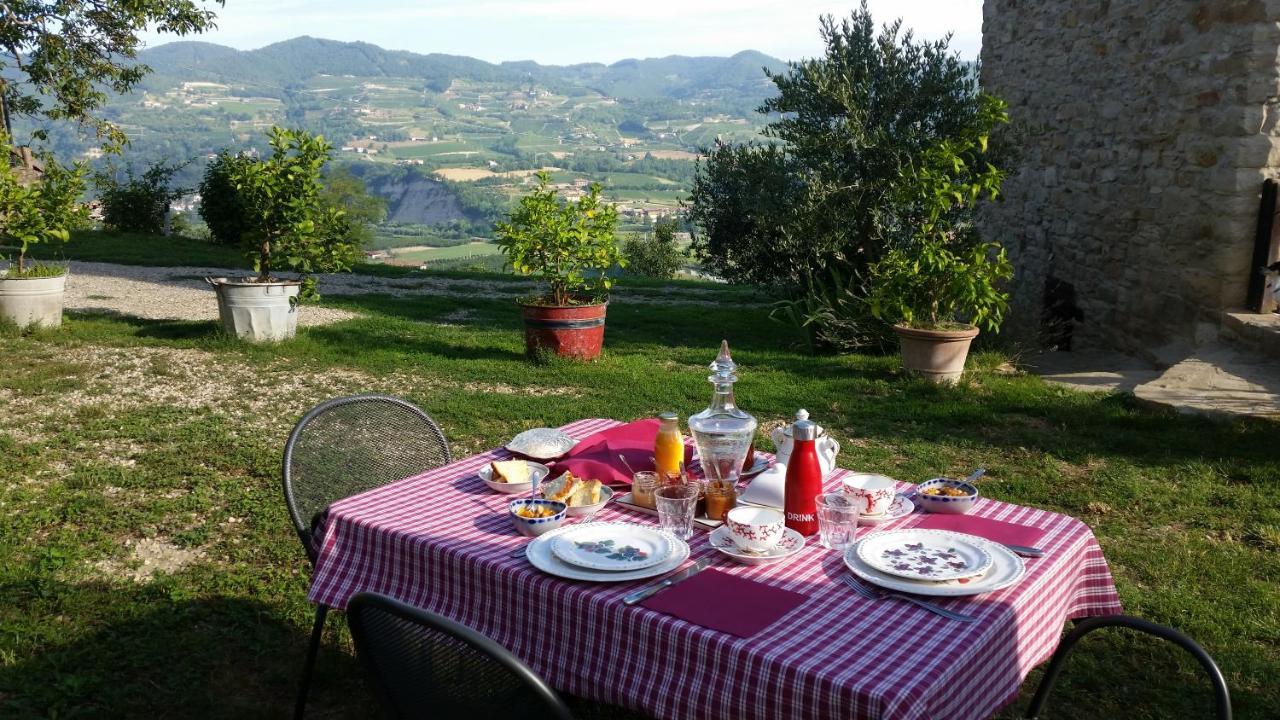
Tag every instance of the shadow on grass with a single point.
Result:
(209, 658)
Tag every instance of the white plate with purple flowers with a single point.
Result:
(613, 546)
(1006, 570)
(933, 555)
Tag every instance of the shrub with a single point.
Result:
(829, 194)
(945, 276)
(139, 204)
(286, 222)
(654, 255)
(40, 210)
(571, 246)
(221, 207)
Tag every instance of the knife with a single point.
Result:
(1025, 550)
(666, 582)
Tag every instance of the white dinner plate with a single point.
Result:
(900, 508)
(1006, 569)
(791, 543)
(537, 471)
(541, 557)
(932, 555)
(613, 546)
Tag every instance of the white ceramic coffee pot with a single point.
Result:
(826, 445)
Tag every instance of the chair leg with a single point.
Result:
(317, 631)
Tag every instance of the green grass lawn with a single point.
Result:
(122, 439)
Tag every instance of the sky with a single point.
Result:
(571, 31)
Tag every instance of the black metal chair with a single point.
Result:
(1088, 625)
(424, 665)
(343, 447)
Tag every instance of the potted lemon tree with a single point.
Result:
(944, 283)
(286, 224)
(571, 246)
(36, 205)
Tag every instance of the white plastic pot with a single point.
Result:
(258, 311)
(27, 302)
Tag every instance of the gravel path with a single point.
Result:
(180, 293)
(161, 293)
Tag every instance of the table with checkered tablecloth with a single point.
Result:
(443, 541)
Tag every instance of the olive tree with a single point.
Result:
(812, 207)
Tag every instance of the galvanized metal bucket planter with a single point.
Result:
(258, 311)
(33, 301)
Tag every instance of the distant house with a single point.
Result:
(581, 182)
(376, 255)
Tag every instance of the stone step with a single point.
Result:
(1215, 379)
(1256, 333)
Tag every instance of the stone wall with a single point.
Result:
(1145, 129)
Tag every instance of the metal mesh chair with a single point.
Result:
(1221, 696)
(425, 665)
(343, 447)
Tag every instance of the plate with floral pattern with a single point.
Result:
(933, 555)
(613, 546)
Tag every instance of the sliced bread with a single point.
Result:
(587, 492)
(561, 488)
(510, 471)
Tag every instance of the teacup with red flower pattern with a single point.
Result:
(755, 529)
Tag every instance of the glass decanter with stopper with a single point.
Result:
(722, 433)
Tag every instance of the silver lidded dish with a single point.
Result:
(541, 444)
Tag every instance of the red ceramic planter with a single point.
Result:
(575, 331)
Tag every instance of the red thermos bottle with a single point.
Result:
(804, 480)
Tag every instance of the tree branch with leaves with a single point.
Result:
(59, 57)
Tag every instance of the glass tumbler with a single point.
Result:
(837, 520)
(676, 504)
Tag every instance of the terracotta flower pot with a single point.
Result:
(575, 331)
(938, 355)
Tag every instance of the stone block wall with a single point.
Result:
(1145, 129)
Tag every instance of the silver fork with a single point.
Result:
(877, 594)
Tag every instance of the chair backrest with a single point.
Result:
(425, 665)
(1222, 697)
(347, 445)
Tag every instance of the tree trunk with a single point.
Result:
(4, 109)
(264, 268)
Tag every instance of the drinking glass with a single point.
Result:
(837, 520)
(676, 504)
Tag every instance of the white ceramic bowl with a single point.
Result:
(755, 529)
(606, 493)
(538, 472)
(948, 504)
(533, 527)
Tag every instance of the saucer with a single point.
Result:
(791, 543)
(900, 508)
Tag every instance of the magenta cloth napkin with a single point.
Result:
(595, 457)
(730, 604)
(1005, 533)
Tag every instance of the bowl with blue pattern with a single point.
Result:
(939, 495)
(534, 516)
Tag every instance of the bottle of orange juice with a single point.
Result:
(668, 449)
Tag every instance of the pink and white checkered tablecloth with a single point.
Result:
(442, 541)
